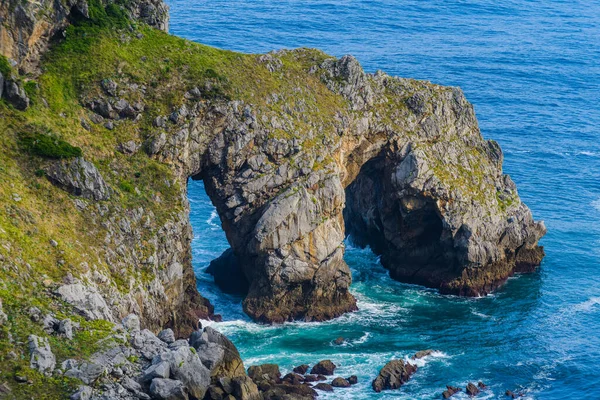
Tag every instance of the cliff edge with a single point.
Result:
(297, 150)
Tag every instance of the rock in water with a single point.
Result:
(472, 389)
(325, 367)
(450, 391)
(340, 382)
(421, 354)
(301, 369)
(395, 374)
(326, 387)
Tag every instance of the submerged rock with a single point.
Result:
(395, 374)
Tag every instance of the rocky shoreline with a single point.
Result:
(137, 364)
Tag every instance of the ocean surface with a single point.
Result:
(532, 70)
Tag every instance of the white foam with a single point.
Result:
(421, 362)
(211, 220)
(587, 305)
(596, 204)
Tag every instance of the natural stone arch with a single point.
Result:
(442, 213)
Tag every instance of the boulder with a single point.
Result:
(87, 372)
(393, 375)
(80, 178)
(421, 354)
(301, 369)
(325, 367)
(86, 300)
(168, 389)
(353, 380)
(131, 323)
(15, 94)
(245, 389)
(264, 372)
(83, 393)
(472, 390)
(450, 391)
(159, 370)
(217, 353)
(339, 341)
(326, 387)
(185, 366)
(42, 358)
(167, 336)
(340, 382)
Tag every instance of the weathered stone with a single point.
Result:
(15, 94)
(264, 372)
(186, 367)
(131, 322)
(421, 354)
(395, 374)
(168, 389)
(42, 358)
(65, 328)
(245, 389)
(80, 178)
(223, 268)
(301, 369)
(87, 372)
(325, 367)
(340, 382)
(167, 335)
(353, 380)
(472, 390)
(450, 391)
(159, 370)
(83, 393)
(217, 353)
(326, 387)
(87, 300)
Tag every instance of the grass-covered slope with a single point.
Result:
(44, 235)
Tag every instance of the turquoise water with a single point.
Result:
(532, 70)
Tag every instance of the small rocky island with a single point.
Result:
(105, 118)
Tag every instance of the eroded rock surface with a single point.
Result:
(400, 165)
(28, 27)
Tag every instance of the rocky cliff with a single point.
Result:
(297, 151)
(27, 28)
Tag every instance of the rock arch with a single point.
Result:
(400, 165)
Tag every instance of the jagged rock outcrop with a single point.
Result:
(27, 28)
(79, 177)
(397, 164)
(393, 375)
(401, 167)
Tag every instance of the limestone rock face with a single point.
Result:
(28, 27)
(79, 177)
(42, 357)
(401, 166)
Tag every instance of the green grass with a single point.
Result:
(48, 146)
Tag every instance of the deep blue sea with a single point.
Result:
(532, 70)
